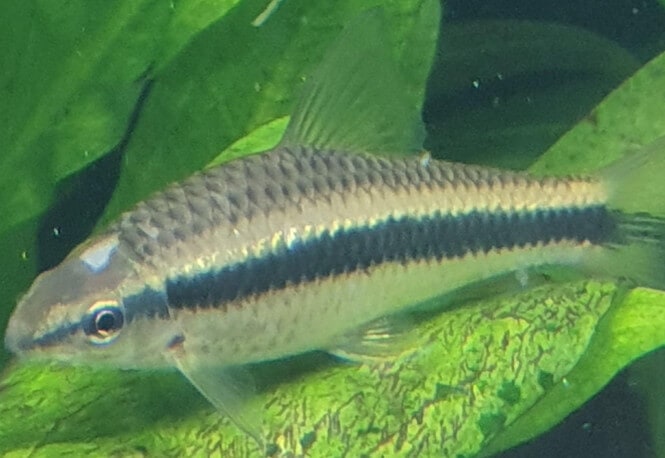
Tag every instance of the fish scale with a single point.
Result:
(258, 184)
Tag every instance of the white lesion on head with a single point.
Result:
(98, 255)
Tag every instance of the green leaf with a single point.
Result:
(260, 139)
(627, 119)
(72, 73)
(236, 77)
(475, 370)
(502, 92)
(632, 328)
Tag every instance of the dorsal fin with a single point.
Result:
(356, 100)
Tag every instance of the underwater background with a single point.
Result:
(101, 104)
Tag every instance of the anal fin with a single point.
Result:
(378, 340)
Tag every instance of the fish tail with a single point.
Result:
(635, 188)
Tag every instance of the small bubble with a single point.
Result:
(476, 83)
(56, 231)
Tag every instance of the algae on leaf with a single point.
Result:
(474, 374)
(476, 369)
(632, 328)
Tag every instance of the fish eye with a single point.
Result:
(104, 321)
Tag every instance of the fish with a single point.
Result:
(324, 241)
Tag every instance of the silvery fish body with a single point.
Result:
(285, 252)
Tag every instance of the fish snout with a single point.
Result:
(18, 336)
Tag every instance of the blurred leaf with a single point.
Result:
(502, 92)
(71, 76)
(72, 73)
(627, 119)
(19, 266)
(236, 77)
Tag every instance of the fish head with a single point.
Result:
(78, 313)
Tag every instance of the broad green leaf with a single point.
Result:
(502, 92)
(235, 77)
(475, 370)
(72, 73)
(465, 126)
(260, 139)
(629, 118)
(632, 328)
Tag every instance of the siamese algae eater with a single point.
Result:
(315, 244)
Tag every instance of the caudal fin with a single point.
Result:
(636, 183)
(636, 193)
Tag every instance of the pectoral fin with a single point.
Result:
(229, 389)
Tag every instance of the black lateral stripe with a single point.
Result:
(147, 303)
(52, 338)
(394, 240)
